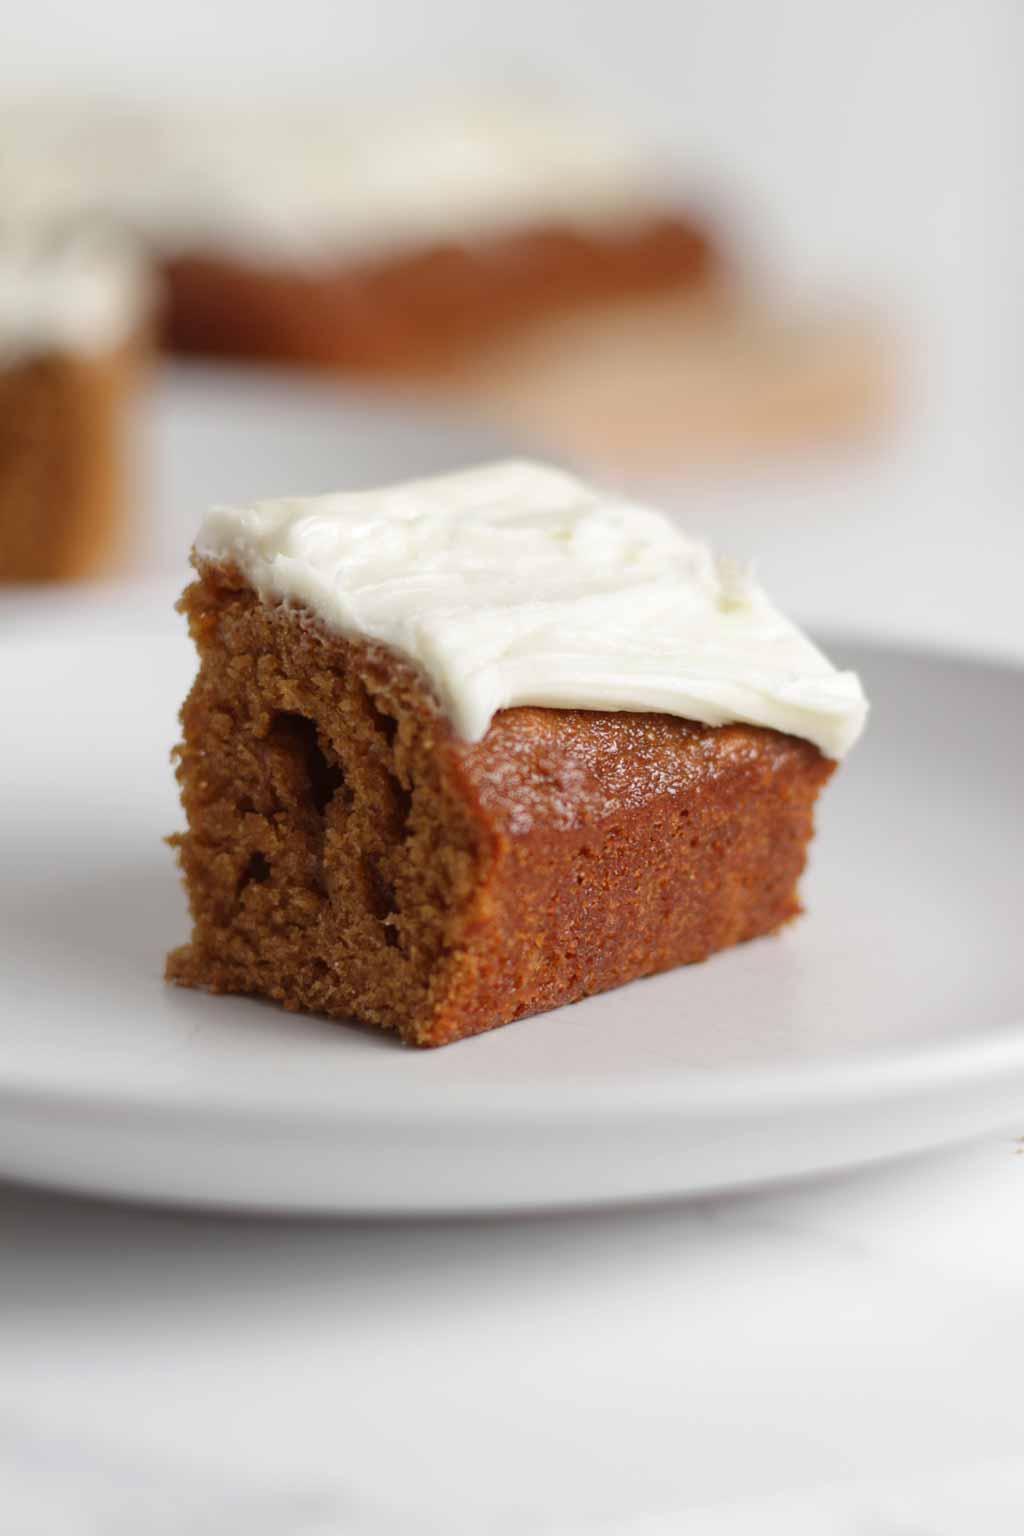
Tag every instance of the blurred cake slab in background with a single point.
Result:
(399, 243)
(385, 238)
(76, 307)
(509, 250)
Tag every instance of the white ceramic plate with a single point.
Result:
(890, 1018)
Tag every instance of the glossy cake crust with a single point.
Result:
(347, 854)
(422, 310)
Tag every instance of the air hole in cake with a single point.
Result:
(386, 724)
(403, 803)
(256, 872)
(326, 779)
(380, 896)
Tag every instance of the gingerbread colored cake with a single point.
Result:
(368, 837)
(417, 311)
(73, 314)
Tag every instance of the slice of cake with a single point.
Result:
(75, 305)
(470, 748)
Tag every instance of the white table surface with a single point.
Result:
(843, 1357)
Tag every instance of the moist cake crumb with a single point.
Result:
(348, 854)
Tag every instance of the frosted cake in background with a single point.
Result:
(514, 252)
(381, 238)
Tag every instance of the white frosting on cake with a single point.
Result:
(322, 180)
(75, 289)
(515, 583)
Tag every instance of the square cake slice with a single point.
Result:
(75, 310)
(472, 748)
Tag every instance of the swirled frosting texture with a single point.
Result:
(515, 583)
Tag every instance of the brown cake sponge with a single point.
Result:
(347, 854)
(414, 312)
(63, 456)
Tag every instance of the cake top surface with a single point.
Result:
(68, 287)
(302, 180)
(515, 583)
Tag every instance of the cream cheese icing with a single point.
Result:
(68, 288)
(515, 583)
(309, 180)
